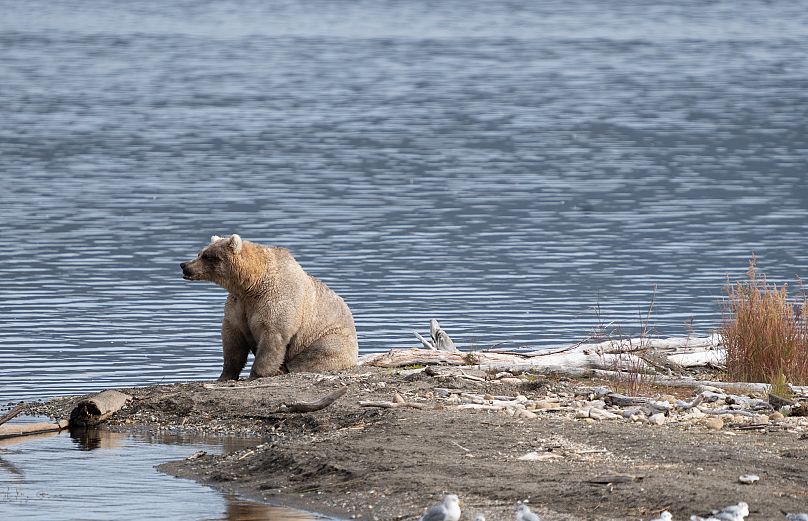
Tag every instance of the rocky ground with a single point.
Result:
(574, 449)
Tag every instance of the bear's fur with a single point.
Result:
(288, 319)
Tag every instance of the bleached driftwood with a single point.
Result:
(98, 408)
(13, 430)
(578, 359)
(440, 340)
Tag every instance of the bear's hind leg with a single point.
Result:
(329, 353)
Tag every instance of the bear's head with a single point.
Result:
(216, 262)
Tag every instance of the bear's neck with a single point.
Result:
(257, 269)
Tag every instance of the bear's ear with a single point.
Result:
(235, 243)
(215, 238)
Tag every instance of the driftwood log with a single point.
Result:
(304, 407)
(439, 339)
(611, 355)
(660, 361)
(13, 430)
(98, 408)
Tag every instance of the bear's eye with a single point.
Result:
(209, 257)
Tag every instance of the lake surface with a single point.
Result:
(503, 167)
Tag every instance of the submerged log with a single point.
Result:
(14, 430)
(98, 408)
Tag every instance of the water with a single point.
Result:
(500, 166)
(102, 475)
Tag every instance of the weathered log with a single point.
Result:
(14, 430)
(393, 405)
(632, 401)
(17, 409)
(322, 403)
(235, 386)
(626, 355)
(98, 408)
(440, 338)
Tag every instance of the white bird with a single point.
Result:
(663, 516)
(523, 513)
(797, 517)
(449, 510)
(731, 513)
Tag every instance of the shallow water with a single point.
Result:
(105, 475)
(501, 166)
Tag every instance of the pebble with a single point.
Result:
(715, 423)
(748, 479)
(762, 418)
(696, 414)
(510, 381)
(668, 398)
(524, 413)
(582, 413)
(600, 414)
(776, 415)
(657, 419)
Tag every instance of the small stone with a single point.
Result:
(510, 381)
(657, 419)
(600, 414)
(524, 413)
(597, 404)
(715, 423)
(748, 479)
(668, 398)
(582, 413)
(547, 406)
(503, 374)
(696, 414)
(776, 415)
(487, 397)
(762, 418)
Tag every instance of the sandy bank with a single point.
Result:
(391, 463)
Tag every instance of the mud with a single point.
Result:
(372, 463)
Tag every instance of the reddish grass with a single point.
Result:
(765, 332)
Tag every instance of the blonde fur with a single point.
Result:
(288, 319)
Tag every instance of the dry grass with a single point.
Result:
(630, 375)
(765, 332)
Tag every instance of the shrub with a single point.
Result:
(765, 332)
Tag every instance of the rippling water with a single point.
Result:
(103, 475)
(500, 166)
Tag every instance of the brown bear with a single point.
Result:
(289, 320)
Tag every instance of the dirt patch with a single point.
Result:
(392, 463)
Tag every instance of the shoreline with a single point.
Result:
(371, 462)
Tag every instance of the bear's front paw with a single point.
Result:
(226, 378)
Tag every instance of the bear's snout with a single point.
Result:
(187, 274)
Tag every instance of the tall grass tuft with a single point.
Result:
(765, 332)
